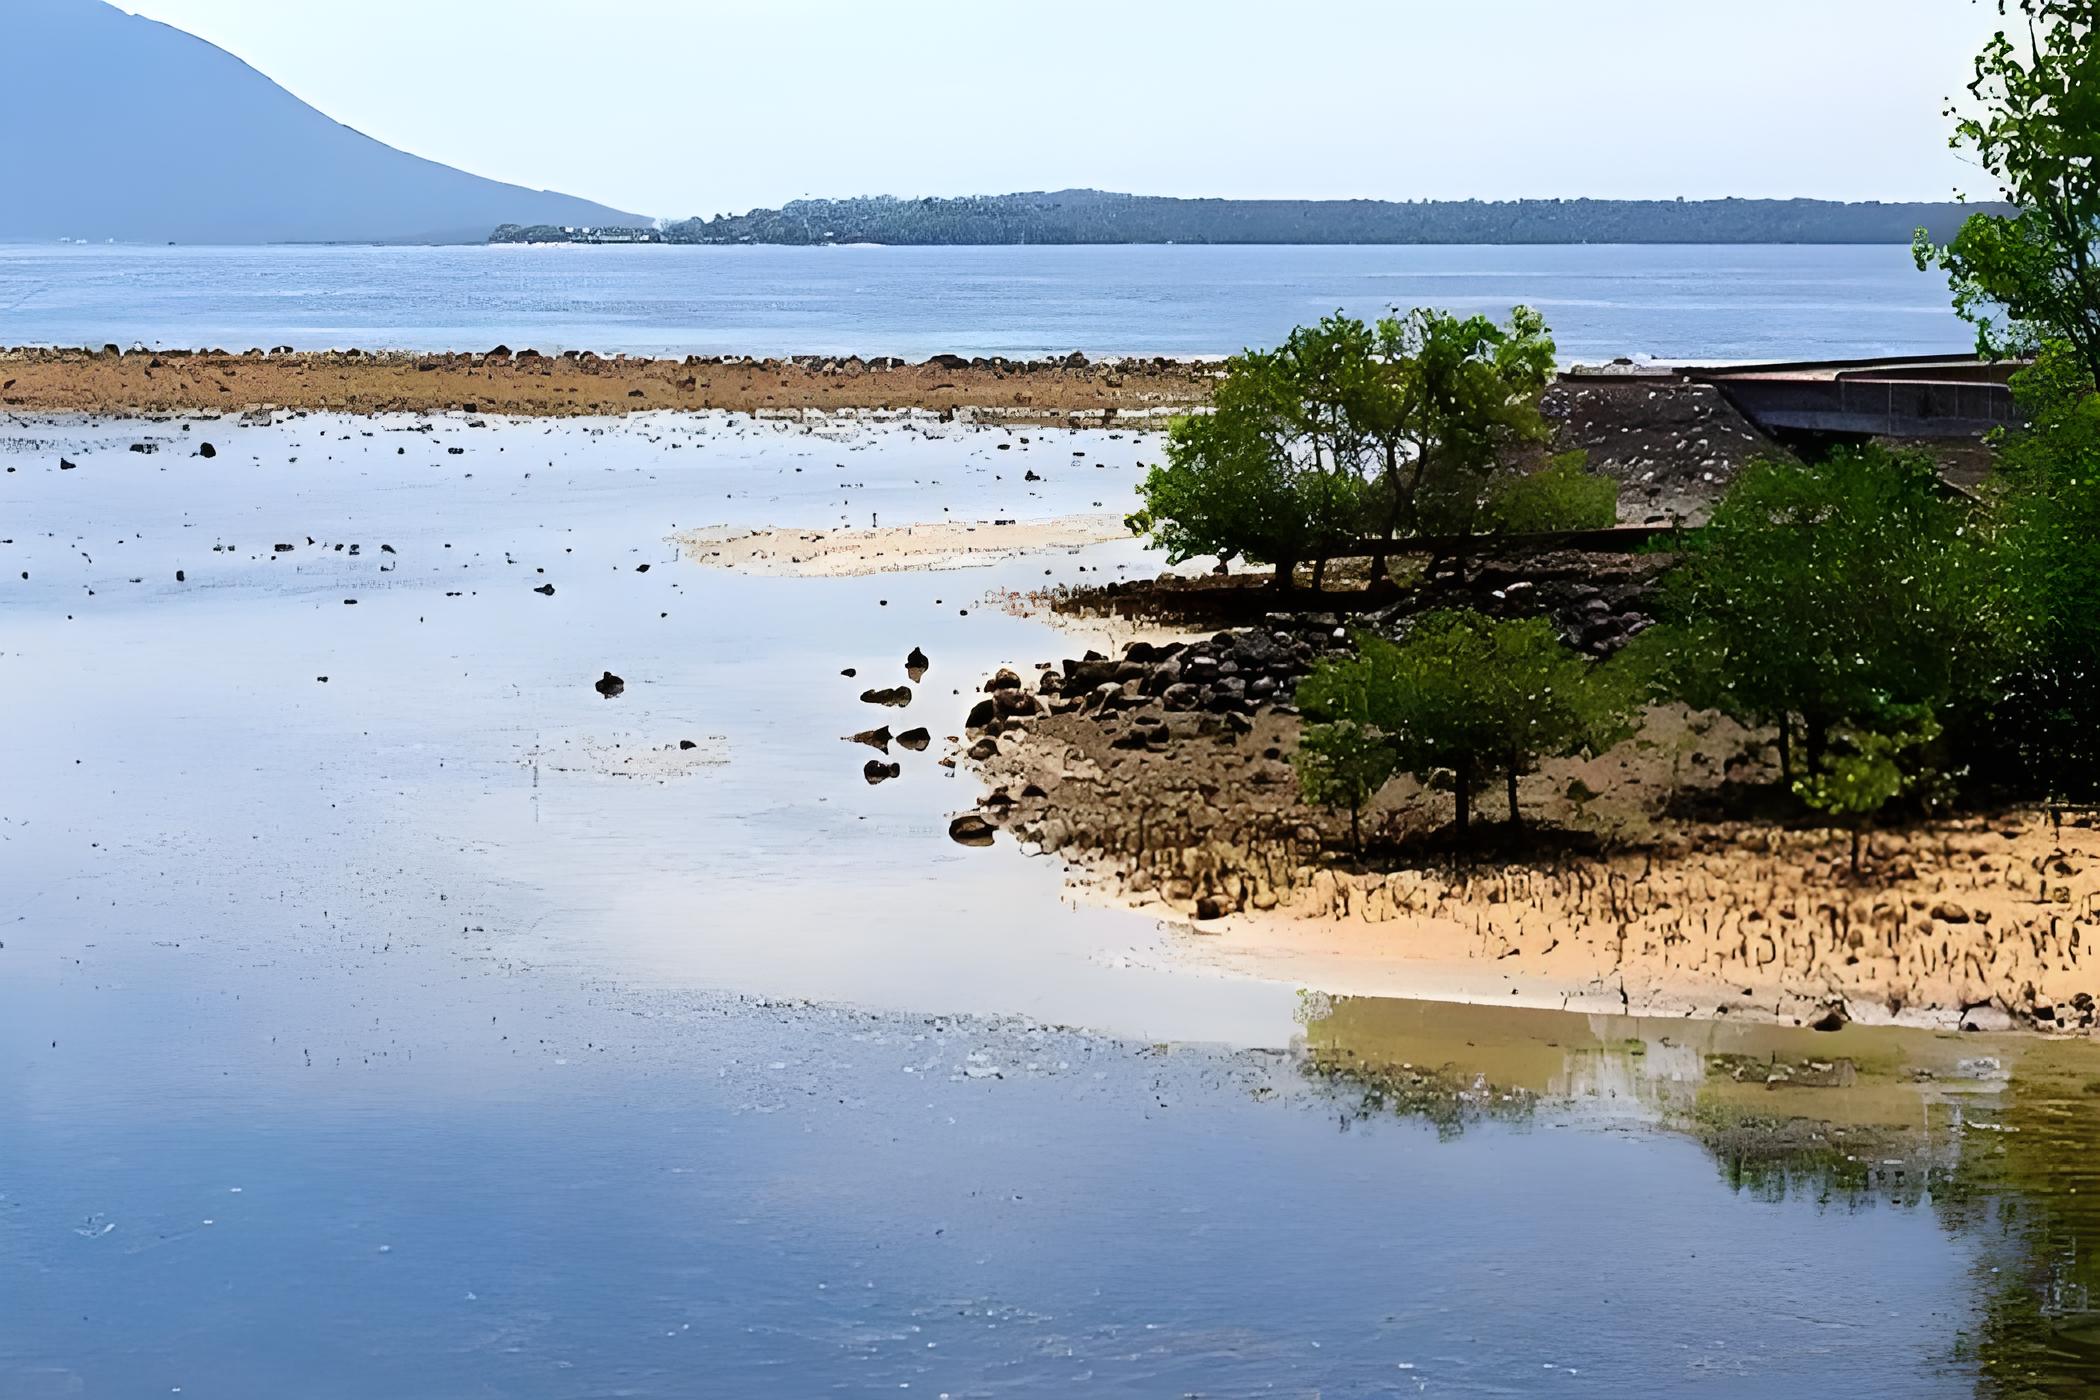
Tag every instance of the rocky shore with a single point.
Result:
(525, 382)
(1162, 776)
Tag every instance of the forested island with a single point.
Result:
(1096, 216)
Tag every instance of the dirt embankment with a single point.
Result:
(1164, 778)
(527, 383)
(1672, 446)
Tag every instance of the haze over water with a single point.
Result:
(1696, 303)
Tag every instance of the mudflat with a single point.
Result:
(527, 383)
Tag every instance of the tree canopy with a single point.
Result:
(2031, 273)
(1462, 693)
(1349, 431)
(1821, 592)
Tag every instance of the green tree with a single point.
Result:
(2045, 490)
(1866, 769)
(1346, 429)
(1343, 763)
(1270, 474)
(1443, 400)
(1818, 593)
(1466, 694)
(2033, 275)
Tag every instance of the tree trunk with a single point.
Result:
(1356, 832)
(1857, 834)
(1392, 514)
(1815, 736)
(1463, 788)
(1786, 752)
(1286, 575)
(1516, 818)
(1319, 573)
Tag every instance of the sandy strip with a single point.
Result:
(947, 544)
(527, 383)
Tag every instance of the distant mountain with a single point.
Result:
(1093, 216)
(121, 127)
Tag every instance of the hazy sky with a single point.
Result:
(682, 107)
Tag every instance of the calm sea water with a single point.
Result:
(1706, 303)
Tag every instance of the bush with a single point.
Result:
(1562, 495)
(1463, 693)
(1820, 594)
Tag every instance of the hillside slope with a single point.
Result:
(122, 127)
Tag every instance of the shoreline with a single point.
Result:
(1621, 899)
(526, 383)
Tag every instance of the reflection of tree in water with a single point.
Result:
(2009, 1165)
(2031, 1191)
(1446, 1099)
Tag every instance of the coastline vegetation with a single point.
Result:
(1906, 643)
(1078, 216)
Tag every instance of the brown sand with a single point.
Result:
(1992, 918)
(924, 548)
(526, 383)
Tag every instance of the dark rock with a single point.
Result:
(205, 449)
(609, 685)
(874, 738)
(1002, 679)
(1016, 702)
(895, 695)
(916, 665)
(684, 744)
(545, 589)
(915, 739)
(876, 771)
(983, 749)
(981, 714)
(970, 829)
(1832, 1017)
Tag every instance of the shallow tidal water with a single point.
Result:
(406, 1034)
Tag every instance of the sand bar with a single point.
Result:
(928, 548)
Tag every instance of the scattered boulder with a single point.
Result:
(206, 450)
(545, 589)
(970, 829)
(874, 738)
(915, 739)
(610, 685)
(916, 665)
(877, 771)
(897, 695)
(1833, 1016)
